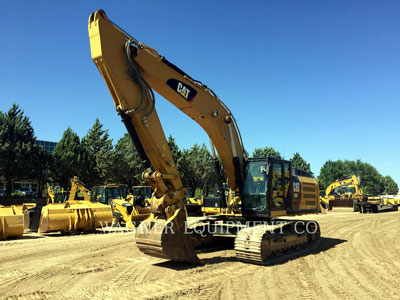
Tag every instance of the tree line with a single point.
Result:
(96, 161)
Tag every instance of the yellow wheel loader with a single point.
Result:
(222, 201)
(269, 188)
(74, 215)
(127, 209)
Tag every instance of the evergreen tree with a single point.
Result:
(66, 159)
(17, 145)
(96, 155)
(39, 167)
(266, 152)
(176, 152)
(371, 181)
(126, 166)
(198, 170)
(332, 171)
(390, 187)
(300, 163)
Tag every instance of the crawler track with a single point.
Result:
(260, 243)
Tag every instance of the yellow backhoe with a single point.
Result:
(268, 188)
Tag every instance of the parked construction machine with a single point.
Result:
(348, 193)
(268, 187)
(342, 193)
(75, 214)
(127, 209)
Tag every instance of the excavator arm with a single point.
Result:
(353, 180)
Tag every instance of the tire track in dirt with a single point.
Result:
(357, 259)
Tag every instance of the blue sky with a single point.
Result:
(318, 77)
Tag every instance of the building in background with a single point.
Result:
(47, 146)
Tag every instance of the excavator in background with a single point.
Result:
(347, 193)
(268, 187)
(78, 213)
(342, 193)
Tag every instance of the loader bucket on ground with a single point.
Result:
(24, 209)
(74, 216)
(166, 238)
(11, 222)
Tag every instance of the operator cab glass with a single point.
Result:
(266, 187)
(255, 185)
(349, 190)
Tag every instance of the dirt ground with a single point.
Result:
(358, 258)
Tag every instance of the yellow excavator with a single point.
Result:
(75, 214)
(268, 187)
(348, 193)
(342, 193)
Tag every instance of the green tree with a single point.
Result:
(97, 155)
(17, 144)
(370, 179)
(266, 151)
(198, 168)
(300, 163)
(332, 171)
(389, 186)
(126, 166)
(40, 166)
(176, 152)
(66, 159)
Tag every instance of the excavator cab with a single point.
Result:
(271, 187)
(256, 187)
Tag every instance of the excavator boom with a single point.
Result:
(131, 70)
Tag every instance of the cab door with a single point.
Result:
(276, 194)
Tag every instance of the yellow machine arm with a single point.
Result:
(353, 181)
(131, 70)
(50, 195)
(77, 185)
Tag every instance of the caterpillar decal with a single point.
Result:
(185, 91)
